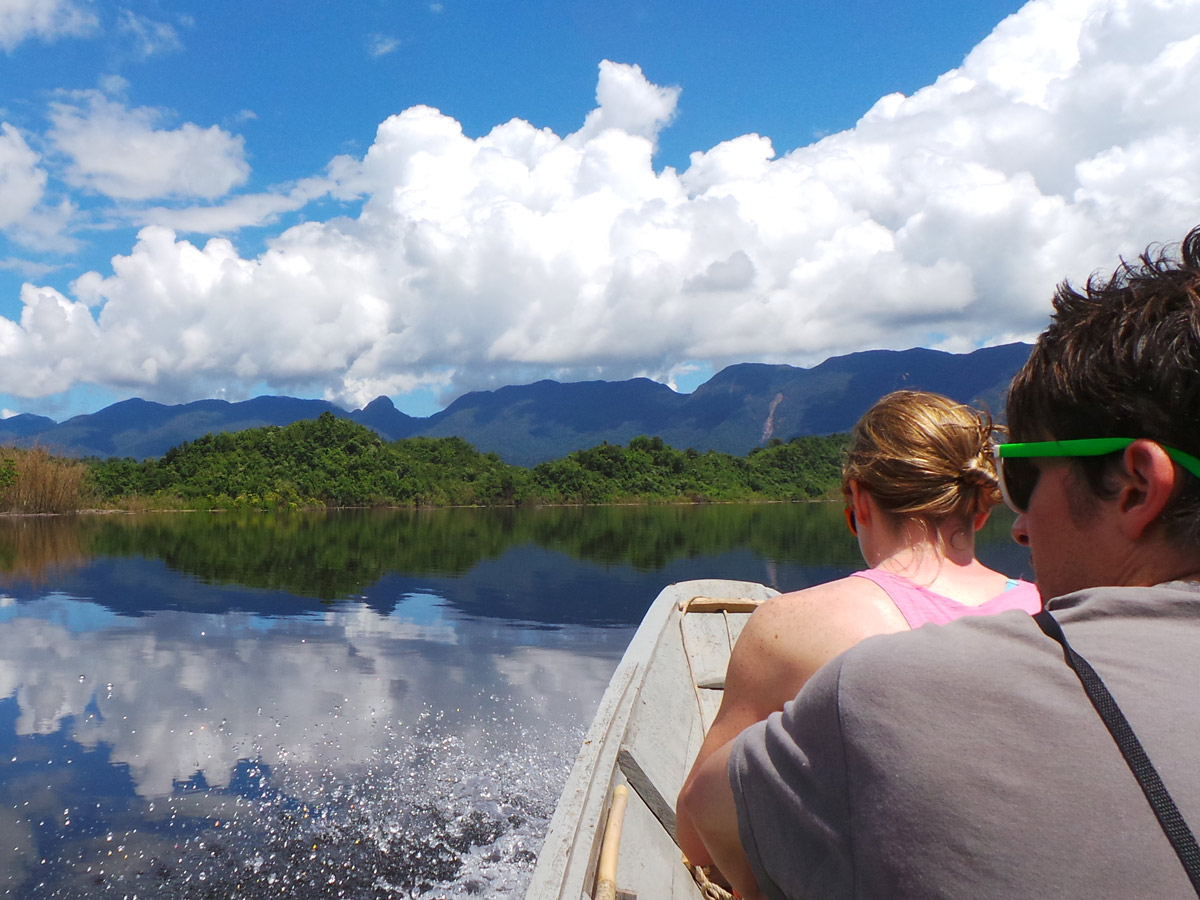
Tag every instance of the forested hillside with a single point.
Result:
(331, 461)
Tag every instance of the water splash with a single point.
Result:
(439, 814)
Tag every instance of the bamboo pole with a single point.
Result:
(606, 870)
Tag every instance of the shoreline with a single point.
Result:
(100, 511)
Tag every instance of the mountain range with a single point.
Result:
(741, 407)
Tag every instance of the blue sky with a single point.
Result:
(418, 199)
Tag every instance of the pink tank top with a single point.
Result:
(920, 605)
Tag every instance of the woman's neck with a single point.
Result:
(917, 549)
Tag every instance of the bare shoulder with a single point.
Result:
(787, 639)
(792, 635)
(851, 605)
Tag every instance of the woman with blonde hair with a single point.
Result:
(919, 481)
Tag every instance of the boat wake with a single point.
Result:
(440, 815)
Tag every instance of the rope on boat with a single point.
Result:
(691, 672)
(711, 890)
(723, 605)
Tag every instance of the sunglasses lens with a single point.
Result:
(1018, 477)
(851, 522)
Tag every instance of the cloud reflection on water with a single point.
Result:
(376, 719)
(175, 694)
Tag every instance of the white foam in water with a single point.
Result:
(439, 814)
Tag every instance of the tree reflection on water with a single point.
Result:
(334, 554)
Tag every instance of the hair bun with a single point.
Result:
(976, 473)
(923, 456)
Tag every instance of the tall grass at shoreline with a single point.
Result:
(33, 481)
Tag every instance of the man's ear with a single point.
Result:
(1148, 482)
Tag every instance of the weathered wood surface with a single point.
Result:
(646, 733)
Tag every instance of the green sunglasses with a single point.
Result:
(1018, 478)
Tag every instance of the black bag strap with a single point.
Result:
(1169, 817)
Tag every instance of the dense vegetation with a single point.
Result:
(335, 462)
(648, 469)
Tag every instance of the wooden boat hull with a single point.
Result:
(651, 721)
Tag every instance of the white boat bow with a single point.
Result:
(648, 729)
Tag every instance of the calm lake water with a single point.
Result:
(355, 704)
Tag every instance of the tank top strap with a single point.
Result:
(920, 606)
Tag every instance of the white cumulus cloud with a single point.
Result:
(22, 179)
(943, 219)
(27, 216)
(122, 153)
(236, 212)
(45, 19)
